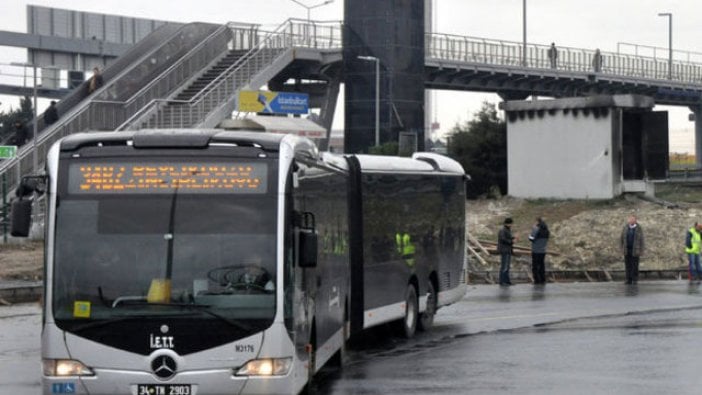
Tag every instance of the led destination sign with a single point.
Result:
(167, 177)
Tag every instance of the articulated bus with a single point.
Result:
(214, 262)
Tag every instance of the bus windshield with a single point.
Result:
(148, 253)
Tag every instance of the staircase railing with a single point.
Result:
(95, 114)
(292, 33)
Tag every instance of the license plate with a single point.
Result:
(164, 389)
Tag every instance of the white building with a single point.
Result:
(584, 148)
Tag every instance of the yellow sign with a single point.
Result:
(274, 102)
(255, 101)
(81, 309)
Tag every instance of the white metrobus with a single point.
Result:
(214, 262)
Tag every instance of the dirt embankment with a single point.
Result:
(585, 233)
(22, 261)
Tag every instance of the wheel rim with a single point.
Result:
(410, 314)
(427, 318)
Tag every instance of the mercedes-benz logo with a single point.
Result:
(164, 366)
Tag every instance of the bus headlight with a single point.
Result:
(266, 367)
(65, 367)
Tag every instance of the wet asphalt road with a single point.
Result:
(601, 338)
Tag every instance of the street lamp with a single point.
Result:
(310, 7)
(670, 43)
(524, 28)
(34, 123)
(377, 95)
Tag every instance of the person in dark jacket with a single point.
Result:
(539, 239)
(51, 114)
(632, 245)
(553, 56)
(96, 81)
(505, 241)
(20, 134)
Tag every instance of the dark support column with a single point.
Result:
(391, 31)
(697, 110)
(326, 113)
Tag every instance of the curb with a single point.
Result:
(491, 276)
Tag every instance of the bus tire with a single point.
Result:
(311, 387)
(408, 325)
(339, 359)
(426, 319)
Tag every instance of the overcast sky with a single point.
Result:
(573, 23)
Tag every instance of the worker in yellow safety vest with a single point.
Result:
(405, 247)
(693, 242)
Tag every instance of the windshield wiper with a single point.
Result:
(204, 308)
(113, 320)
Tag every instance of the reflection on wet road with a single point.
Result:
(565, 338)
(557, 339)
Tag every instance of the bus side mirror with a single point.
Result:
(307, 238)
(21, 218)
(308, 248)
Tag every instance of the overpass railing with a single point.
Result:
(511, 54)
(658, 52)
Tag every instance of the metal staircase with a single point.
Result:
(136, 78)
(168, 114)
(205, 105)
(188, 76)
(210, 75)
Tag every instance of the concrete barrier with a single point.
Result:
(20, 291)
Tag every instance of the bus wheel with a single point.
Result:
(408, 325)
(426, 319)
(339, 359)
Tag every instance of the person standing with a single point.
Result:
(553, 55)
(632, 246)
(597, 61)
(692, 249)
(21, 135)
(539, 239)
(505, 241)
(51, 114)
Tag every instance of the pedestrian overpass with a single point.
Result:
(189, 76)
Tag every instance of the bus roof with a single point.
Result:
(173, 138)
(419, 162)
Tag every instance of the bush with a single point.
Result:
(480, 145)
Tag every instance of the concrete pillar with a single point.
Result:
(697, 110)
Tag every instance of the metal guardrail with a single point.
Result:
(511, 53)
(685, 174)
(658, 52)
